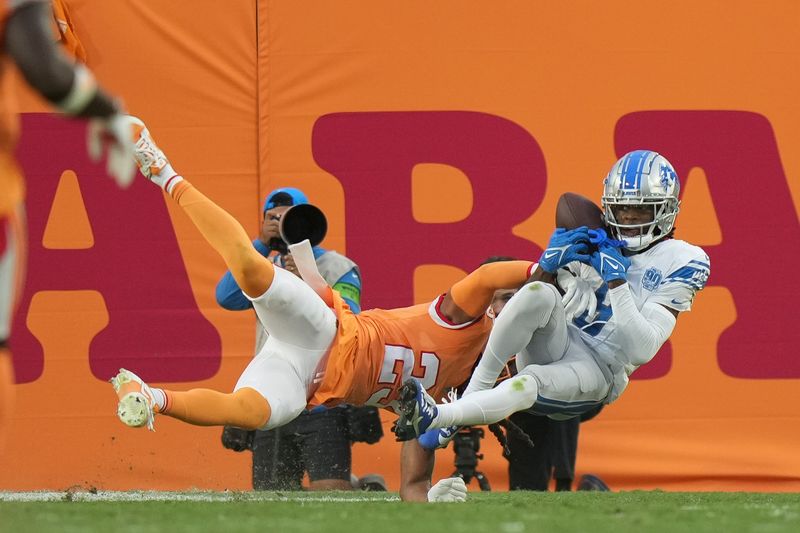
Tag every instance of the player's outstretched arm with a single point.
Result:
(565, 247)
(470, 297)
(416, 468)
(641, 332)
(47, 69)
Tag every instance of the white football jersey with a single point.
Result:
(670, 273)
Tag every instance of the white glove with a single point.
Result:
(451, 489)
(118, 133)
(579, 294)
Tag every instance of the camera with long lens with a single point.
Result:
(298, 223)
(466, 445)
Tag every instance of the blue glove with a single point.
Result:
(610, 263)
(599, 237)
(565, 247)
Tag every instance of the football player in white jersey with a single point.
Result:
(642, 278)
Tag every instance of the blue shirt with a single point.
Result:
(231, 297)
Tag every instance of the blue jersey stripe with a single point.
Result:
(688, 272)
(698, 283)
(543, 406)
(564, 403)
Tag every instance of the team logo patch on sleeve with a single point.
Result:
(652, 279)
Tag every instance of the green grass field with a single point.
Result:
(592, 512)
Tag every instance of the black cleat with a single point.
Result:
(592, 482)
(417, 411)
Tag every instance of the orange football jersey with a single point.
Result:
(65, 31)
(377, 350)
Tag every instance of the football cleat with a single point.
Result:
(417, 411)
(149, 157)
(440, 438)
(437, 437)
(592, 482)
(136, 404)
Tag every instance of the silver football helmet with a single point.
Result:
(642, 178)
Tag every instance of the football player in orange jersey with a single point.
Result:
(417, 457)
(26, 39)
(318, 352)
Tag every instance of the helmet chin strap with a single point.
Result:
(639, 242)
(635, 244)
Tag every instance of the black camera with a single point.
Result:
(298, 223)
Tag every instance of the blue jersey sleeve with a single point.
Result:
(229, 295)
(349, 286)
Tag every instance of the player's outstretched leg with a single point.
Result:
(250, 269)
(419, 412)
(286, 306)
(301, 326)
(532, 321)
(139, 403)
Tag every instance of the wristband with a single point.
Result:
(83, 90)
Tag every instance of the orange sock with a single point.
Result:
(7, 393)
(474, 293)
(250, 269)
(245, 408)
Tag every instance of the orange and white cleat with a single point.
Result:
(136, 407)
(149, 157)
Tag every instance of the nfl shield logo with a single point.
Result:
(651, 279)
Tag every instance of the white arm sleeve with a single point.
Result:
(641, 333)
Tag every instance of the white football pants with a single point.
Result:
(301, 329)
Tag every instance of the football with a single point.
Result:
(574, 211)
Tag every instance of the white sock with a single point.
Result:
(160, 397)
(489, 406)
(167, 179)
(489, 367)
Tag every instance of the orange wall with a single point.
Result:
(239, 97)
